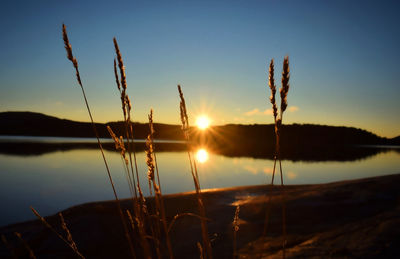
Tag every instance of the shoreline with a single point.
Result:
(346, 219)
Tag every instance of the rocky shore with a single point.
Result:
(349, 219)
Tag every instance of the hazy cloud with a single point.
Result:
(268, 112)
(293, 108)
(252, 112)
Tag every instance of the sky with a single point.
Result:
(343, 60)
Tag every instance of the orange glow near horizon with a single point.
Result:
(202, 155)
(203, 122)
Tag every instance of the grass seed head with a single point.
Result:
(128, 103)
(71, 57)
(184, 116)
(116, 75)
(120, 64)
(236, 219)
(151, 124)
(68, 46)
(271, 83)
(285, 84)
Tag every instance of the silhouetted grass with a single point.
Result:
(278, 117)
(145, 223)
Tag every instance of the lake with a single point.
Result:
(52, 174)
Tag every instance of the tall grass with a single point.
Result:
(27, 247)
(70, 56)
(193, 167)
(69, 240)
(278, 117)
(235, 231)
(152, 164)
(139, 202)
(146, 222)
(142, 221)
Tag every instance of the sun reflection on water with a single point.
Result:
(202, 155)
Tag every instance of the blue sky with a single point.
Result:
(343, 58)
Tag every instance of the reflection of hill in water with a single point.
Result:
(41, 148)
(316, 153)
(298, 142)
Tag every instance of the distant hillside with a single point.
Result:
(37, 124)
(305, 142)
(298, 142)
(396, 140)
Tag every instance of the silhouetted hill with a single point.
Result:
(298, 141)
(37, 124)
(303, 142)
(396, 140)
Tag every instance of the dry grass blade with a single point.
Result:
(69, 236)
(72, 244)
(116, 76)
(140, 209)
(271, 83)
(71, 57)
(157, 189)
(178, 216)
(235, 230)
(3, 238)
(193, 168)
(130, 218)
(120, 146)
(285, 84)
(31, 254)
(126, 108)
(75, 63)
(284, 92)
(272, 86)
(278, 125)
(149, 162)
(151, 128)
(154, 226)
(268, 213)
(120, 64)
(200, 250)
(141, 228)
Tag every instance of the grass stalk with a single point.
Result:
(75, 64)
(120, 146)
(283, 92)
(201, 250)
(9, 247)
(181, 215)
(278, 126)
(193, 167)
(69, 241)
(69, 235)
(125, 105)
(235, 230)
(141, 213)
(157, 186)
(30, 251)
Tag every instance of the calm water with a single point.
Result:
(54, 181)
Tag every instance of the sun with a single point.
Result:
(203, 122)
(202, 155)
